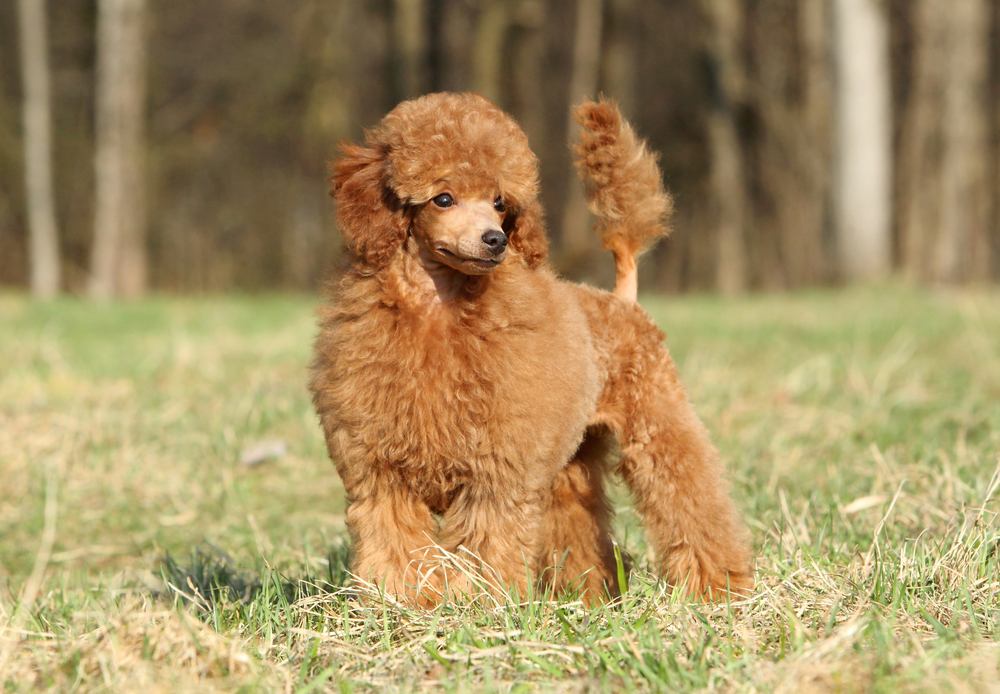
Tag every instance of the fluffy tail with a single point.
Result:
(623, 186)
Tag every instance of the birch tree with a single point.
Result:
(863, 187)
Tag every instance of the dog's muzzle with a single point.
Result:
(495, 241)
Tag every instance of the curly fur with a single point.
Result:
(471, 399)
(624, 188)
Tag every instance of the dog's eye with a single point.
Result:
(499, 205)
(443, 200)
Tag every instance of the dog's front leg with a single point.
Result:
(496, 532)
(394, 533)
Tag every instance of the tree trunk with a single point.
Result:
(328, 120)
(410, 45)
(792, 100)
(727, 179)
(118, 260)
(944, 184)
(993, 265)
(619, 60)
(576, 241)
(487, 50)
(43, 238)
(527, 101)
(864, 139)
(816, 164)
(329, 110)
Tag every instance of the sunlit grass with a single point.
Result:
(861, 429)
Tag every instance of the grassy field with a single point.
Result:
(138, 553)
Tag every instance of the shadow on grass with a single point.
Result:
(209, 578)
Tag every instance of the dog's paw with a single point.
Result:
(704, 579)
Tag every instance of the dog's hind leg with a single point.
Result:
(667, 460)
(673, 471)
(577, 550)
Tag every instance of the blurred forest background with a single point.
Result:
(182, 145)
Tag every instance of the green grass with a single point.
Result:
(861, 429)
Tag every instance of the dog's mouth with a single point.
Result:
(475, 266)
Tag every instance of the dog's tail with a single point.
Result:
(623, 186)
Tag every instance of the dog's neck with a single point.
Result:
(428, 280)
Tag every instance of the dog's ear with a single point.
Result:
(525, 230)
(372, 219)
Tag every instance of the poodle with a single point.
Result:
(472, 399)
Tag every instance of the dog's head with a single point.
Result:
(454, 171)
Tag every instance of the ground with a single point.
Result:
(138, 552)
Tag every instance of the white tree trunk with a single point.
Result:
(864, 138)
(43, 236)
(118, 260)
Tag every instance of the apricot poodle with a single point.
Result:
(470, 398)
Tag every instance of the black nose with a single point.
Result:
(495, 240)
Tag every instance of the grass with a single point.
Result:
(861, 429)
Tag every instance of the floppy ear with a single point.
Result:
(525, 231)
(372, 219)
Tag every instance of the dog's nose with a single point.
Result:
(495, 240)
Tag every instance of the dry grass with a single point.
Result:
(138, 553)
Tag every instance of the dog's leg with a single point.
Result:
(500, 530)
(673, 471)
(392, 532)
(577, 550)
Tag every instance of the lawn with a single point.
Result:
(140, 552)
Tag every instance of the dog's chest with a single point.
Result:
(445, 406)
